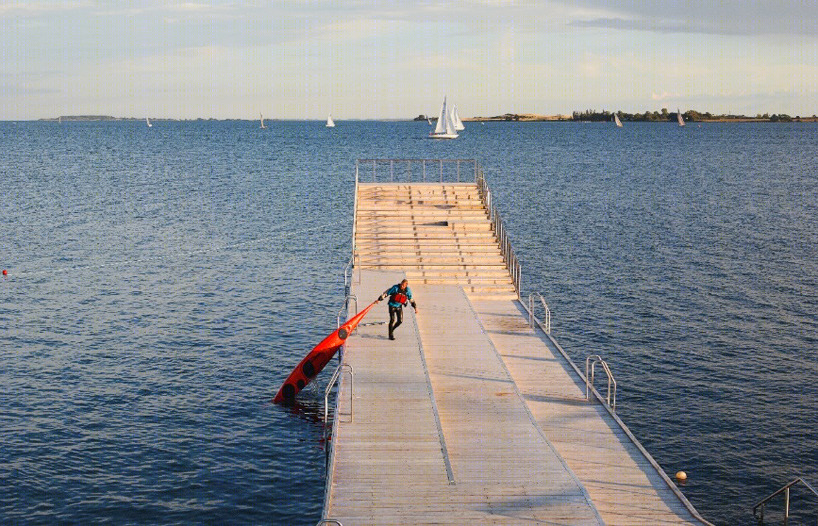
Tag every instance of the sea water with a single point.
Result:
(163, 281)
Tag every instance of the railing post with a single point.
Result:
(786, 506)
(441, 170)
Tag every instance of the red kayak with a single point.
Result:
(315, 361)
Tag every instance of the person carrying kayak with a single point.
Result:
(399, 295)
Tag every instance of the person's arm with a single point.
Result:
(411, 300)
(385, 294)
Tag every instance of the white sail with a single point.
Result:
(330, 122)
(679, 117)
(445, 124)
(429, 120)
(148, 122)
(617, 121)
(458, 124)
(261, 117)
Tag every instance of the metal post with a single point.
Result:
(458, 170)
(786, 506)
(391, 171)
(373, 171)
(441, 170)
(424, 170)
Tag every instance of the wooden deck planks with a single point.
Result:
(389, 465)
(470, 417)
(623, 484)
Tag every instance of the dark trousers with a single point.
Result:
(395, 319)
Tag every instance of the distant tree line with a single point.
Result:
(664, 115)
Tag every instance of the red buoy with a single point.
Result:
(5, 272)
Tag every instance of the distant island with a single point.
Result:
(648, 116)
(576, 116)
(98, 118)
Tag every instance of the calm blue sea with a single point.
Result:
(163, 281)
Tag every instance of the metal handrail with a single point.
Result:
(531, 317)
(499, 228)
(345, 307)
(670, 484)
(456, 174)
(786, 490)
(355, 210)
(589, 380)
(337, 374)
(349, 266)
(329, 521)
(426, 168)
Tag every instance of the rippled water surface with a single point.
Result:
(162, 283)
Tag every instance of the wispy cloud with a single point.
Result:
(33, 9)
(664, 96)
(725, 17)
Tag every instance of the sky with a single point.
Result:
(302, 59)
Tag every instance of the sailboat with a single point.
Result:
(617, 121)
(445, 124)
(429, 120)
(458, 124)
(330, 122)
(260, 116)
(679, 117)
(148, 122)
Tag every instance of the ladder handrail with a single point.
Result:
(589, 380)
(670, 484)
(349, 266)
(547, 316)
(337, 374)
(329, 521)
(345, 307)
(786, 491)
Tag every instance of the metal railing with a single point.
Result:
(591, 362)
(329, 521)
(670, 484)
(337, 374)
(349, 271)
(443, 171)
(345, 308)
(355, 220)
(499, 228)
(416, 170)
(546, 323)
(786, 491)
(345, 311)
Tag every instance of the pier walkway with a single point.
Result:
(471, 416)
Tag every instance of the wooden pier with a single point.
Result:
(470, 416)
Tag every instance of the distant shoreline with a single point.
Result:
(507, 117)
